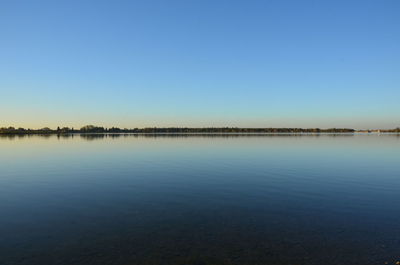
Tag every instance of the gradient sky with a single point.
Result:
(200, 63)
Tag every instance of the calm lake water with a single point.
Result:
(273, 199)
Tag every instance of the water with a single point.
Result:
(274, 199)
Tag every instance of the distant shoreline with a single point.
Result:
(90, 129)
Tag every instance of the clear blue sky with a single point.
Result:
(200, 63)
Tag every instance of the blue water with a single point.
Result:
(272, 199)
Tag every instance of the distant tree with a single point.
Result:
(92, 129)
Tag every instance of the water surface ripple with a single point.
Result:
(200, 199)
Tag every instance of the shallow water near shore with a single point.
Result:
(200, 199)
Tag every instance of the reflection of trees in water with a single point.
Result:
(20, 136)
(65, 136)
(99, 136)
(91, 137)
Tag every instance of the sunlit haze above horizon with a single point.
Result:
(200, 63)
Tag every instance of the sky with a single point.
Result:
(200, 63)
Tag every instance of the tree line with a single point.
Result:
(98, 129)
(149, 130)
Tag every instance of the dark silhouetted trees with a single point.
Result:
(182, 130)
